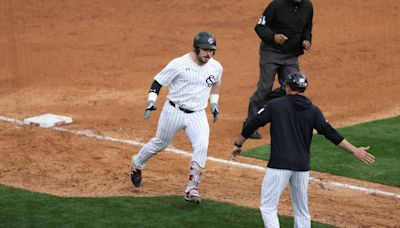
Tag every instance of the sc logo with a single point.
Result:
(210, 80)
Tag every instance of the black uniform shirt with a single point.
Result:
(294, 20)
(292, 119)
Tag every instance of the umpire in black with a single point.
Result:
(293, 118)
(285, 32)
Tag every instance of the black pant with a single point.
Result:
(271, 63)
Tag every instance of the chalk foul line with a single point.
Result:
(90, 134)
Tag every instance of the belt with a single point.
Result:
(182, 109)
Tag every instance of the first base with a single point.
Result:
(48, 120)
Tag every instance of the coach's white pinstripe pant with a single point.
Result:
(275, 181)
(171, 121)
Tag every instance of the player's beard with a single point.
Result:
(203, 59)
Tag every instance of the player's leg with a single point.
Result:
(198, 131)
(299, 188)
(268, 68)
(269, 65)
(275, 181)
(170, 122)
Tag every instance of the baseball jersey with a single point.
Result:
(189, 83)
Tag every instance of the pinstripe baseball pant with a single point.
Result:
(171, 121)
(275, 181)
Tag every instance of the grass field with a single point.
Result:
(383, 136)
(20, 208)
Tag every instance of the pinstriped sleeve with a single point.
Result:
(220, 70)
(168, 74)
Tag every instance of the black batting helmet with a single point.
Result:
(297, 81)
(204, 40)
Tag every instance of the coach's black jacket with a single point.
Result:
(292, 118)
(294, 20)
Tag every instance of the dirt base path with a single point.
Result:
(94, 61)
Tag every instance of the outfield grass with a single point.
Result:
(20, 208)
(383, 136)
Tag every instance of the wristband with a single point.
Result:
(214, 98)
(237, 145)
(152, 97)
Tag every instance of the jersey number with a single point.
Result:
(261, 21)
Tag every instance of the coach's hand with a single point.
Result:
(235, 152)
(151, 106)
(215, 111)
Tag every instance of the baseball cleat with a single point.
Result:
(136, 177)
(193, 196)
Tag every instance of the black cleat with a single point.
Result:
(136, 177)
(255, 135)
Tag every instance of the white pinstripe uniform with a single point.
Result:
(189, 88)
(275, 181)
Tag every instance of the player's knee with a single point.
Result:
(159, 145)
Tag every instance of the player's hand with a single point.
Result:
(150, 107)
(235, 152)
(306, 45)
(280, 38)
(361, 154)
(215, 111)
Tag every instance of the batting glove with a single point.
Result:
(150, 107)
(215, 111)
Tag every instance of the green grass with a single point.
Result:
(20, 208)
(382, 136)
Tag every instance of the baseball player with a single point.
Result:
(193, 79)
(293, 118)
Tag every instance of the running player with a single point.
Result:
(192, 79)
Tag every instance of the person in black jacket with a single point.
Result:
(293, 118)
(285, 32)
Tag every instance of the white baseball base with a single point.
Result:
(48, 120)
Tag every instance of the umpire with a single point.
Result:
(293, 118)
(285, 32)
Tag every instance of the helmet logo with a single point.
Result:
(302, 82)
(210, 40)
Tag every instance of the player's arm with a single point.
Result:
(262, 27)
(307, 32)
(163, 78)
(214, 97)
(359, 152)
(261, 119)
(324, 128)
(152, 97)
